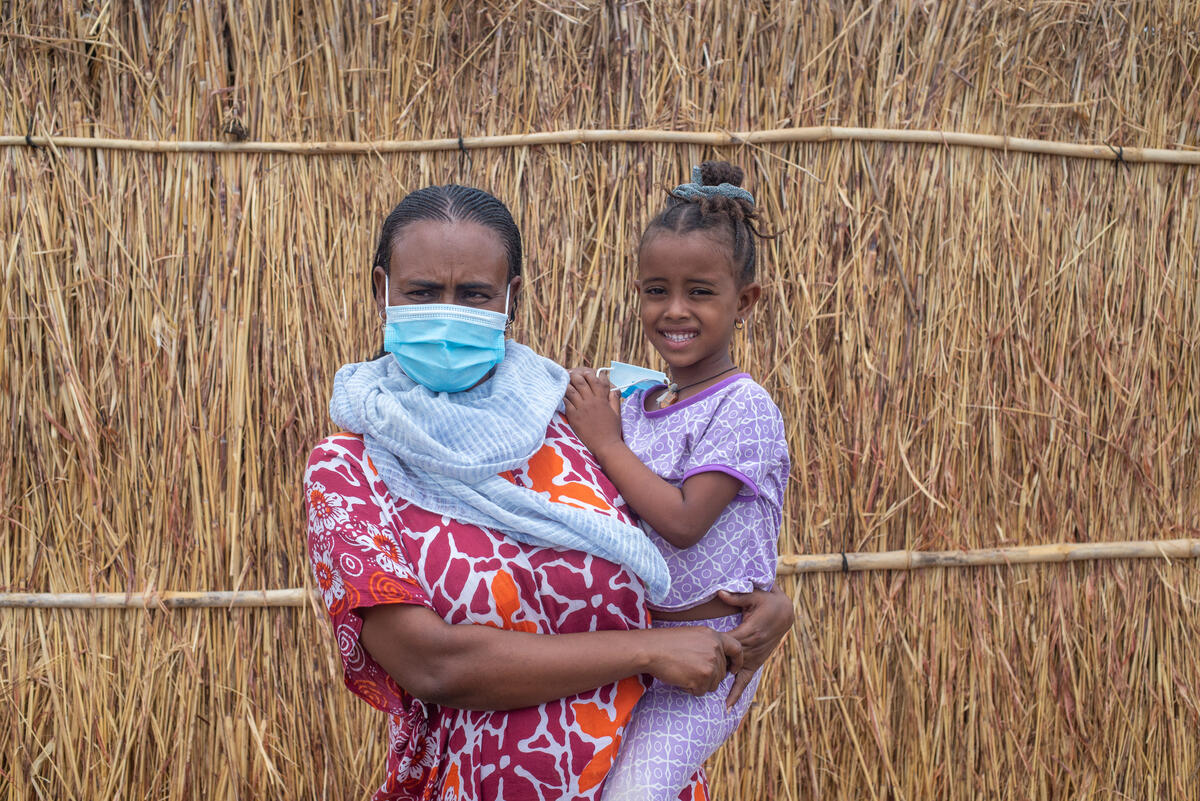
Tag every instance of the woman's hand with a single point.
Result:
(694, 658)
(767, 617)
(593, 409)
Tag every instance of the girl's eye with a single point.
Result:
(701, 291)
(653, 290)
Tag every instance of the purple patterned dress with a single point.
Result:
(732, 427)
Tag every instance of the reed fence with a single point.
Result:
(978, 348)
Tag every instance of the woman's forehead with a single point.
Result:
(448, 252)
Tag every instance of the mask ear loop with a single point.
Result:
(604, 372)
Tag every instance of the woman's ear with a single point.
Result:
(380, 287)
(514, 293)
(747, 297)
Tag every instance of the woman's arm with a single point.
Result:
(680, 515)
(480, 667)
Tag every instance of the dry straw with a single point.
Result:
(173, 320)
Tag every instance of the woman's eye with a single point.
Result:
(654, 290)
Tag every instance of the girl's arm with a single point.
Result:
(479, 667)
(681, 515)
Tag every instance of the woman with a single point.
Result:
(484, 579)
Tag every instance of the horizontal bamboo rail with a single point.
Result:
(793, 564)
(789, 565)
(822, 133)
(227, 599)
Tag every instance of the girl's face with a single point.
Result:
(460, 263)
(690, 301)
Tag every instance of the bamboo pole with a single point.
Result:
(822, 133)
(793, 564)
(235, 599)
(789, 565)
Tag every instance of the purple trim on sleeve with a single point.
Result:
(747, 483)
(699, 396)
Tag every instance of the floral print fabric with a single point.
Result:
(367, 548)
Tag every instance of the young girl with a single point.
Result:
(703, 461)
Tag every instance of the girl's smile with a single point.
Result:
(680, 338)
(690, 301)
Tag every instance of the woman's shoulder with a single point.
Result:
(338, 451)
(341, 441)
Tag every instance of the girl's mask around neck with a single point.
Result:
(442, 346)
(629, 378)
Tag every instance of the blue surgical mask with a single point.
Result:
(629, 378)
(444, 347)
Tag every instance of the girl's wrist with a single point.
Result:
(604, 451)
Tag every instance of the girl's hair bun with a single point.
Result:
(705, 205)
(713, 173)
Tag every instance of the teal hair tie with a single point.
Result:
(697, 190)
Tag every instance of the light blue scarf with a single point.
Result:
(443, 451)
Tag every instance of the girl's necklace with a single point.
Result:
(674, 389)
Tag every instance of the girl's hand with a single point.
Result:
(593, 409)
(695, 658)
(767, 617)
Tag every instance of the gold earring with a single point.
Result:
(739, 323)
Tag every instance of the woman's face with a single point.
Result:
(461, 263)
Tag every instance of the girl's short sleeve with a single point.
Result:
(356, 558)
(744, 439)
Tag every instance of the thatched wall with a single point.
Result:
(172, 323)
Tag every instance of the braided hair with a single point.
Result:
(731, 218)
(450, 203)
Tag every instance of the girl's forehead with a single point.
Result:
(697, 254)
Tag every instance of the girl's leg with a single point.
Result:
(671, 734)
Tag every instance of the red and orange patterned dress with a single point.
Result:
(368, 548)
